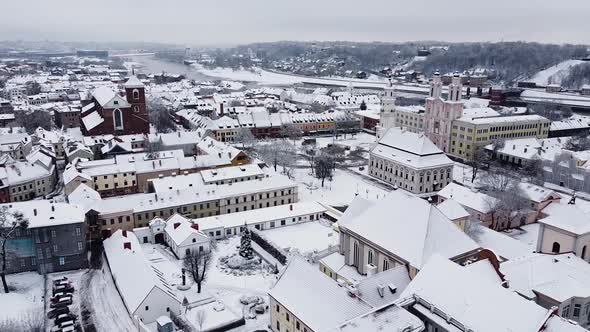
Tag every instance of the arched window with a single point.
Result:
(555, 248)
(118, 119)
(136, 109)
(136, 94)
(584, 253)
(370, 259)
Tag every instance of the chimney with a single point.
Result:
(176, 224)
(221, 109)
(179, 134)
(35, 212)
(52, 208)
(124, 233)
(219, 154)
(127, 245)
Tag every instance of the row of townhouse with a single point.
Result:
(25, 180)
(130, 173)
(265, 124)
(132, 211)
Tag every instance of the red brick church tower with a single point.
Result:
(107, 112)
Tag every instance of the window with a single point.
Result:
(577, 308)
(278, 326)
(80, 246)
(147, 307)
(136, 94)
(277, 308)
(370, 259)
(385, 265)
(78, 232)
(55, 248)
(62, 261)
(565, 312)
(118, 119)
(556, 247)
(583, 252)
(287, 317)
(297, 326)
(136, 109)
(356, 254)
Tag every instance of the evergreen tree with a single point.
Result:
(246, 244)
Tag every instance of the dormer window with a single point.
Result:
(116, 102)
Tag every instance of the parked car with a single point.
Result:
(60, 281)
(61, 326)
(63, 302)
(64, 318)
(59, 296)
(63, 289)
(57, 311)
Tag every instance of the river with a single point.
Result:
(152, 65)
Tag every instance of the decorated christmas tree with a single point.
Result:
(246, 244)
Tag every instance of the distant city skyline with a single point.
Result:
(237, 22)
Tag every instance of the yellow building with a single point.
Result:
(468, 134)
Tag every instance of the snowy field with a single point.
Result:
(308, 237)
(554, 74)
(25, 301)
(343, 188)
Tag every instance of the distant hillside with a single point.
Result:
(578, 76)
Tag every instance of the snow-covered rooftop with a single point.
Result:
(410, 228)
(560, 277)
(131, 272)
(467, 197)
(567, 217)
(43, 213)
(410, 149)
(468, 298)
(311, 296)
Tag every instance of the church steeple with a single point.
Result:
(455, 88)
(436, 85)
(388, 98)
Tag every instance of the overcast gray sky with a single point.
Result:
(196, 22)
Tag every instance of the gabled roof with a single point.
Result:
(314, 298)
(92, 120)
(568, 217)
(452, 210)
(560, 277)
(134, 82)
(103, 95)
(478, 303)
(408, 141)
(134, 278)
(180, 229)
(410, 228)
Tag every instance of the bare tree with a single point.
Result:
(507, 202)
(11, 222)
(324, 167)
(291, 131)
(578, 143)
(201, 318)
(533, 169)
(245, 137)
(481, 159)
(278, 153)
(196, 263)
(473, 228)
(160, 117)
